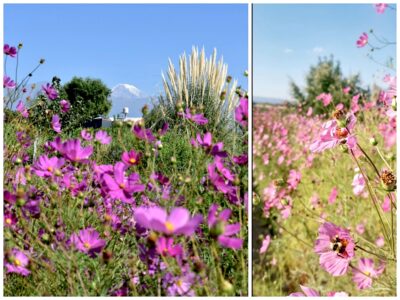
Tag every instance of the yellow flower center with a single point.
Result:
(50, 169)
(86, 245)
(122, 185)
(17, 262)
(179, 283)
(8, 221)
(132, 160)
(169, 226)
(368, 273)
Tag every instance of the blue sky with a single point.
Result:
(124, 43)
(287, 40)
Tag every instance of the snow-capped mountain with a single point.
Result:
(127, 95)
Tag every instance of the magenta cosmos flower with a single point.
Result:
(121, 186)
(362, 40)
(8, 50)
(65, 105)
(334, 134)
(50, 91)
(102, 137)
(219, 227)
(47, 167)
(73, 151)
(22, 109)
(309, 292)
(335, 247)
(358, 184)
(242, 112)
(165, 247)
(88, 241)
(199, 119)
(365, 273)
(86, 135)
(17, 262)
(8, 83)
(380, 7)
(326, 98)
(131, 158)
(177, 222)
(55, 123)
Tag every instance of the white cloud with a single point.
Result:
(288, 50)
(318, 50)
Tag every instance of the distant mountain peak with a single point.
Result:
(125, 90)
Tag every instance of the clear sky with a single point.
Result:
(288, 39)
(124, 43)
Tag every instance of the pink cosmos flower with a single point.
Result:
(9, 219)
(121, 186)
(165, 247)
(22, 109)
(8, 50)
(65, 105)
(333, 135)
(50, 91)
(241, 112)
(380, 7)
(102, 137)
(73, 151)
(222, 230)
(358, 184)
(360, 228)
(88, 241)
(386, 205)
(177, 222)
(86, 135)
(199, 119)
(365, 273)
(17, 262)
(47, 167)
(335, 247)
(346, 90)
(265, 244)
(325, 97)
(143, 133)
(362, 40)
(131, 158)
(380, 241)
(333, 195)
(8, 83)
(55, 123)
(309, 292)
(309, 112)
(293, 179)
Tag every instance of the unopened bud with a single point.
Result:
(20, 45)
(373, 141)
(41, 61)
(227, 287)
(228, 79)
(223, 95)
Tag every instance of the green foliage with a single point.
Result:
(326, 77)
(89, 99)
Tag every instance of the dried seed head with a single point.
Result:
(339, 114)
(388, 180)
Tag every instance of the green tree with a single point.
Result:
(89, 99)
(326, 77)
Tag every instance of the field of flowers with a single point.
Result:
(324, 207)
(126, 210)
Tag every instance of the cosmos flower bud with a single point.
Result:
(391, 157)
(246, 73)
(223, 95)
(343, 148)
(57, 172)
(20, 45)
(54, 186)
(45, 238)
(21, 202)
(227, 287)
(179, 104)
(145, 109)
(236, 182)
(373, 141)
(228, 79)
(107, 256)
(42, 60)
(173, 159)
(388, 180)
(153, 237)
(217, 230)
(18, 161)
